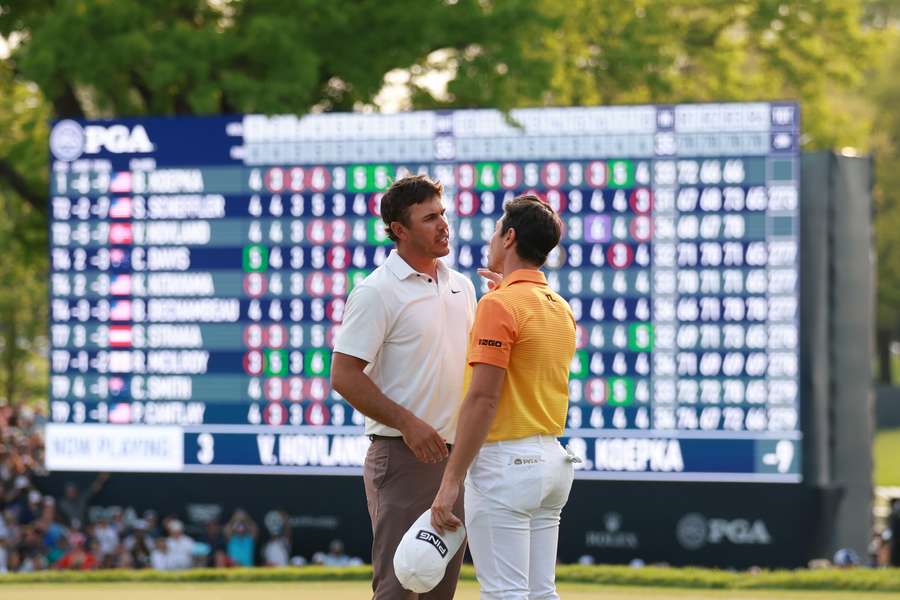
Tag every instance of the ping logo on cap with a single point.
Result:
(434, 540)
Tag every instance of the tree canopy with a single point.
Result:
(101, 58)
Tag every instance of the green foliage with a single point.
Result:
(881, 580)
(96, 58)
(886, 142)
(23, 239)
(644, 51)
(193, 57)
(886, 451)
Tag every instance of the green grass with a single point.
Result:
(468, 590)
(887, 457)
(597, 577)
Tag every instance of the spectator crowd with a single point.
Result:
(39, 531)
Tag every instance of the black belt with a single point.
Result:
(392, 438)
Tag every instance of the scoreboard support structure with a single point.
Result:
(837, 314)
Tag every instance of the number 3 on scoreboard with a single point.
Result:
(206, 454)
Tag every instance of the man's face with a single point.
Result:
(497, 252)
(428, 231)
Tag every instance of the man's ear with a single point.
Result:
(398, 229)
(509, 238)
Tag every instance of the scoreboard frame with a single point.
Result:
(242, 153)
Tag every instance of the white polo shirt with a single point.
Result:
(414, 334)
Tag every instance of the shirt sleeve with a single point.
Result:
(365, 324)
(493, 334)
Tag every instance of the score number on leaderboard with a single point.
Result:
(200, 269)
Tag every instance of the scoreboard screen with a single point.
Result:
(200, 268)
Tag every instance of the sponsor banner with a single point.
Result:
(121, 448)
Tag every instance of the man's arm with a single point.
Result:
(475, 418)
(348, 378)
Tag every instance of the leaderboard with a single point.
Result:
(200, 268)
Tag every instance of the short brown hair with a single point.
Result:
(538, 227)
(403, 193)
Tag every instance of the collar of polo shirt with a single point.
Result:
(529, 275)
(401, 269)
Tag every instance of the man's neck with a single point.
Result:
(514, 263)
(419, 262)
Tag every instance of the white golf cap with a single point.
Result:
(423, 554)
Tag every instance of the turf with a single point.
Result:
(359, 590)
(887, 457)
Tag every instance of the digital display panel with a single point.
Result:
(200, 268)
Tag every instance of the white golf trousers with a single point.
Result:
(515, 492)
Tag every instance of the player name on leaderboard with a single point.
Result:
(200, 268)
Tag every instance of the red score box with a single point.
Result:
(510, 176)
(254, 336)
(465, 176)
(595, 390)
(334, 309)
(582, 337)
(274, 414)
(641, 201)
(375, 204)
(297, 179)
(318, 179)
(120, 233)
(596, 174)
(641, 228)
(253, 363)
(556, 200)
(255, 285)
(619, 255)
(275, 180)
(317, 414)
(338, 258)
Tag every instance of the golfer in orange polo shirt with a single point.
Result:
(519, 476)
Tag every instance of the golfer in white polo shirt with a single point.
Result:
(399, 359)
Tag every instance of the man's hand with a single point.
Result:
(493, 279)
(442, 516)
(426, 444)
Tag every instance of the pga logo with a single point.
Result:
(69, 140)
(694, 531)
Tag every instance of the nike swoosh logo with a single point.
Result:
(455, 291)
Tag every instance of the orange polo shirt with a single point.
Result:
(525, 327)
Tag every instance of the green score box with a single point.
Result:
(317, 363)
(275, 363)
(620, 174)
(620, 391)
(640, 337)
(369, 178)
(256, 258)
(375, 234)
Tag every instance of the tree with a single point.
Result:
(23, 240)
(645, 51)
(103, 58)
(887, 203)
